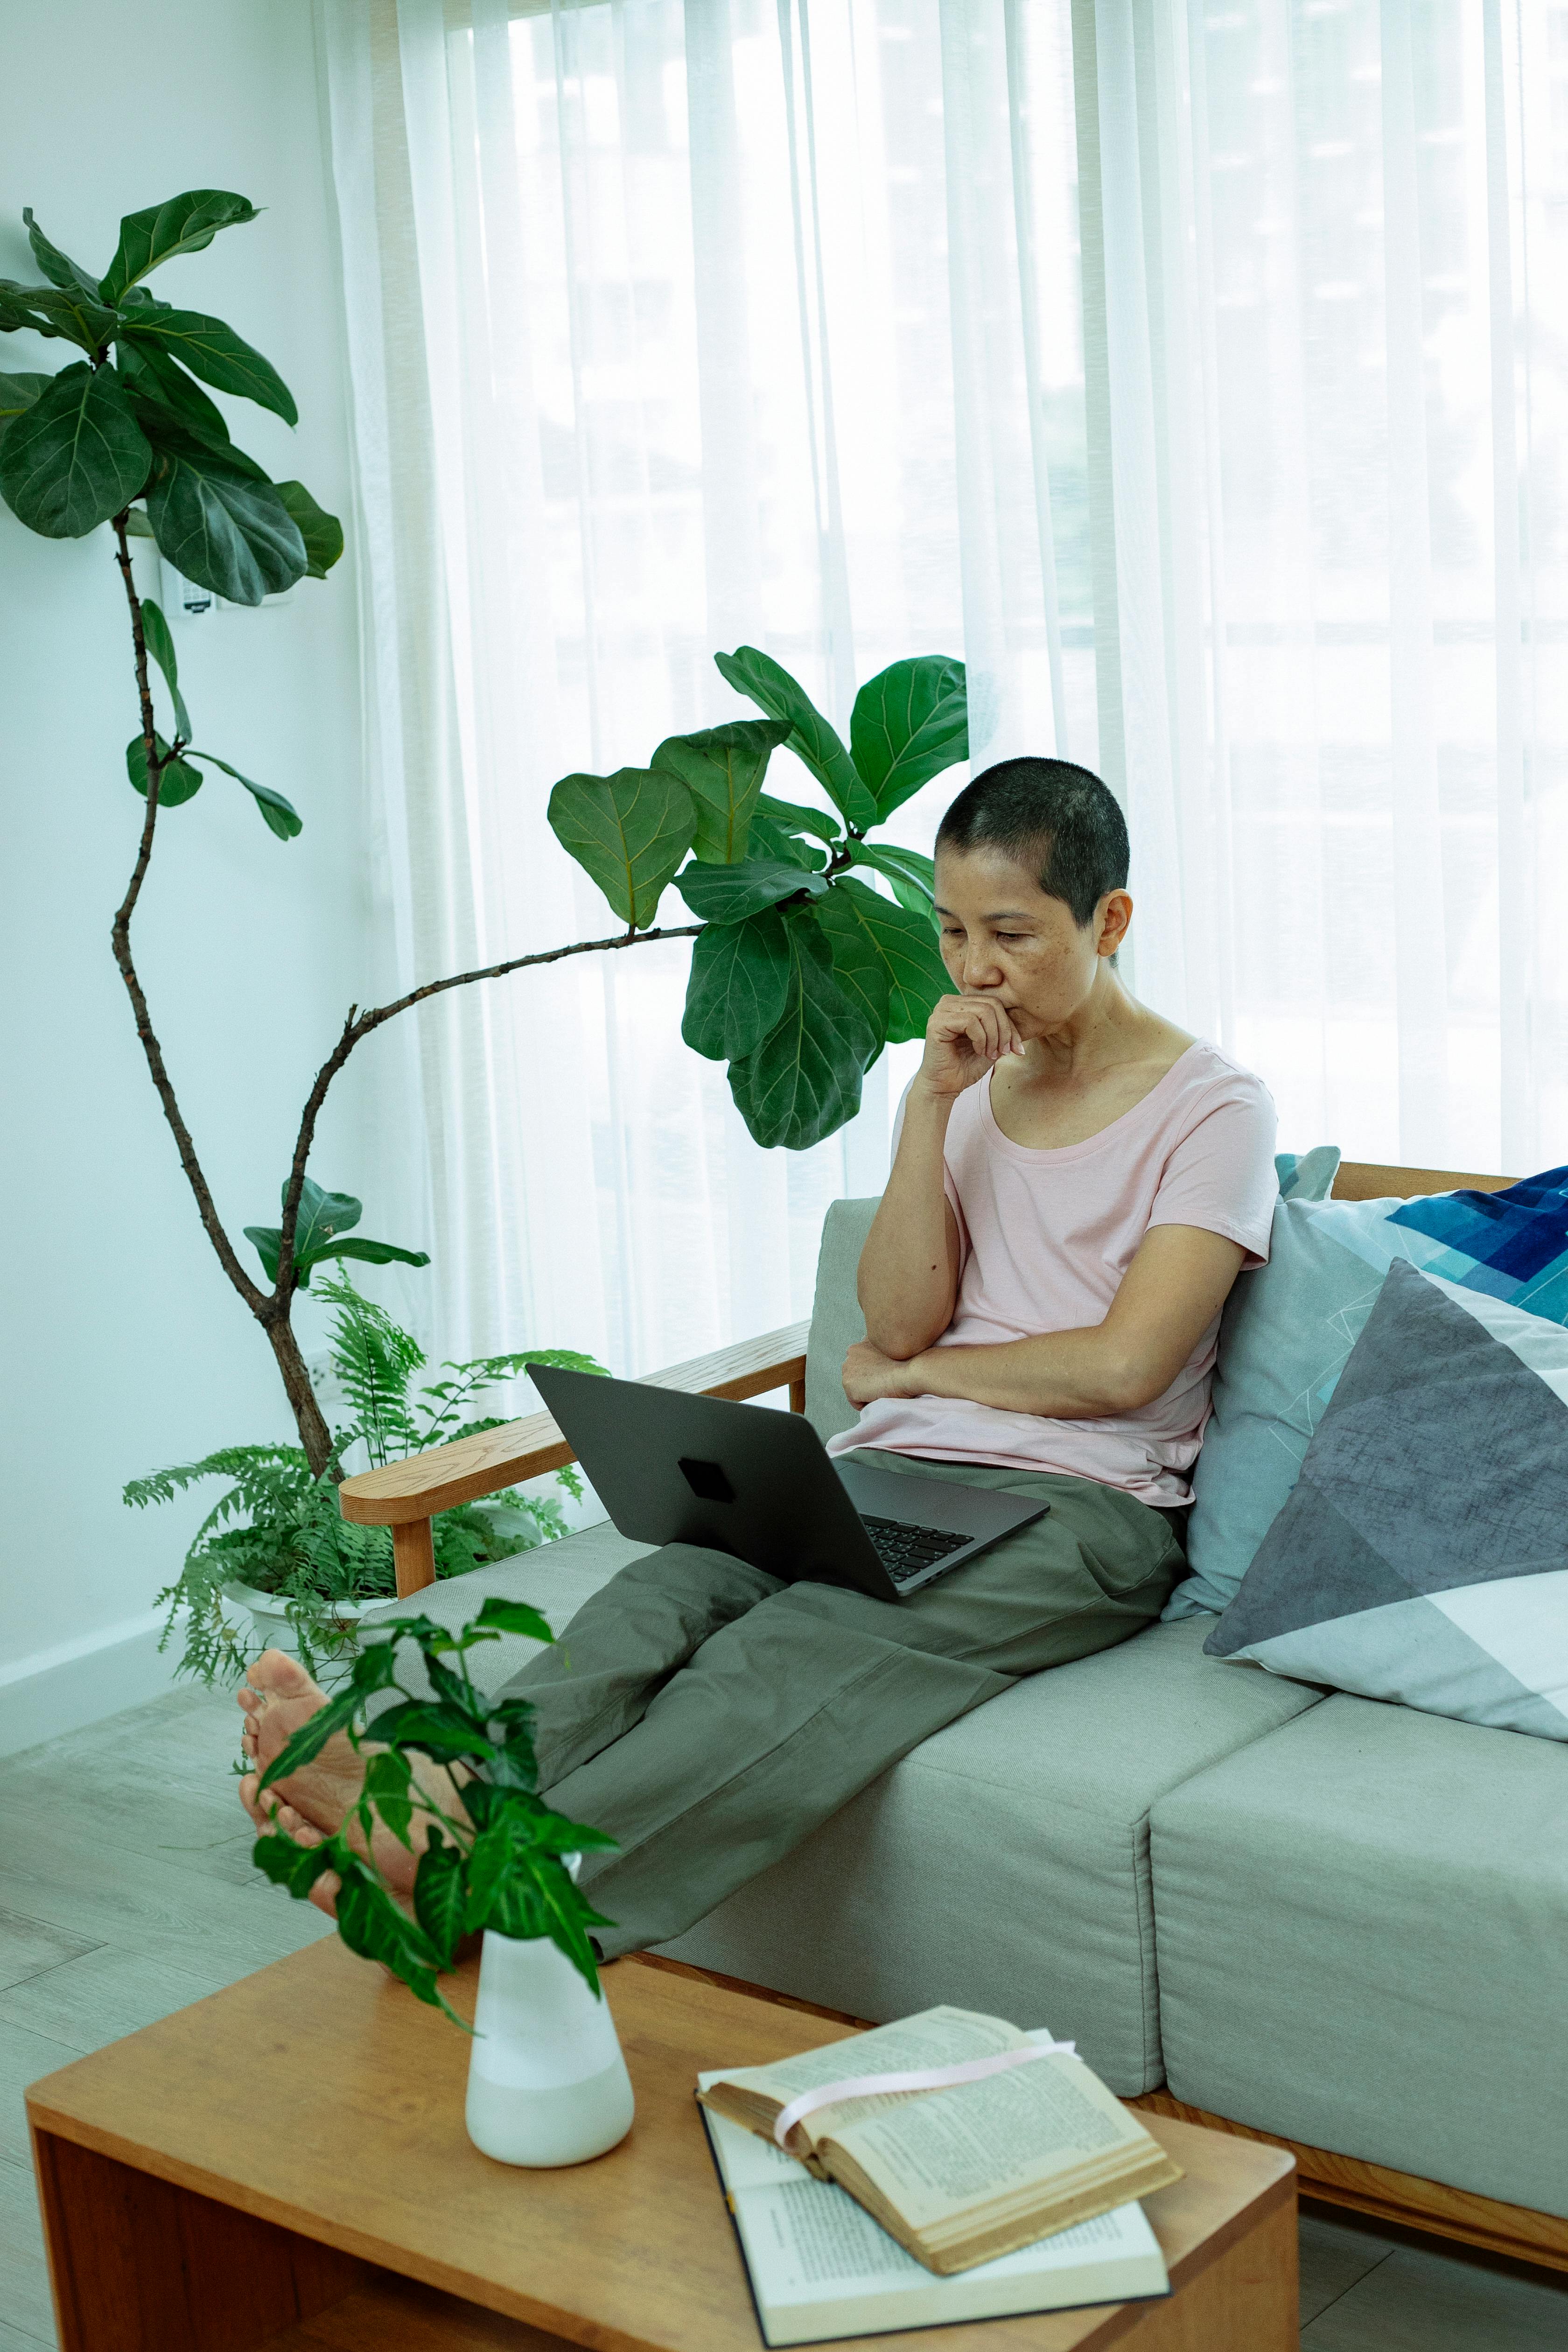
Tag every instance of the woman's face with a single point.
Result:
(1003, 936)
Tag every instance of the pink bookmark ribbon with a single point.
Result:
(924, 2078)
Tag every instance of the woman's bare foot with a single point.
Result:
(278, 1696)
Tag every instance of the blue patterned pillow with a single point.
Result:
(1289, 1328)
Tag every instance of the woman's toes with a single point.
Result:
(324, 1894)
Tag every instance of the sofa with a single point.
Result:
(1306, 1917)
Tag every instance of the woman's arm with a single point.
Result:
(908, 1280)
(1169, 1296)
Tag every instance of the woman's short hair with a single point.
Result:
(1049, 814)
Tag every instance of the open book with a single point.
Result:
(965, 2174)
(820, 2267)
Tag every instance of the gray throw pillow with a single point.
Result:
(1422, 1555)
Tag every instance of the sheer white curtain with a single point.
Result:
(1198, 374)
(1325, 305)
(652, 325)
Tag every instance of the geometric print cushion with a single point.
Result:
(1422, 1555)
(1289, 1328)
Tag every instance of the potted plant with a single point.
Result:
(275, 1546)
(547, 2084)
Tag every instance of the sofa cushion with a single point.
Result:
(837, 1322)
(1360, 1923)
(1004, 1865)
(1422, 1553)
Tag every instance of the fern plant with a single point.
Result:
(277, 1527)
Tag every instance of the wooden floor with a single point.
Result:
(126, 1891)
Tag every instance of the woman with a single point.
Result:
(1076, 1185)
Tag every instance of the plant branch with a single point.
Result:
(360, 1025)
(254, 1297)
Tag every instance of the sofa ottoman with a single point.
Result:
(1360, 1928)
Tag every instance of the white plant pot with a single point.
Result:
(547, 2083)
(272, 1630)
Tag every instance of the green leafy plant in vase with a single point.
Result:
(547, 2084)
(275, 1544)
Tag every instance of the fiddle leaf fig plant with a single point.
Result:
(802, 967)
(500, 1862)
(803, 970)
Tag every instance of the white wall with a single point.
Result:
(123, 1347)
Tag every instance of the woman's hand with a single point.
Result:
(868, 1375)
(965, 1037)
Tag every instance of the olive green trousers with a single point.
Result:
(711, 1717)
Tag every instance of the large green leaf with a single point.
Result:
(321, 533)
(210, 349)
(180, 224)
(372, 1924)
(297, 1867)
(216, 521)
(279, 817)
(909, 723)
(803, 1080)
(176, 782)
(18, 393)
(305, 1745)
(858, 964)
(440, 1897)
(152, 374)
(324, 1220)
(629, 831)
(57, 267)
(728, 894)
(913, 878)
(75, 456)
(723, 767)
(67, 311)
(810, 737)
(739, 986)
(796, 816)
(160, 645)
(517, 1616)
(857, 921)
(769, 838)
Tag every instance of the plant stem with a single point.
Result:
(120, 938)
(360, 1025)
(273, 1308)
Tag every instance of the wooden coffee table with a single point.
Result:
(285, 2164)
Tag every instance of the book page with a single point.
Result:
(935, 2037)
(945, 2150)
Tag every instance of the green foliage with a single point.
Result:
(629, 831)
(130, 422)
(803, 970)
(278, 1528)
(325, 1218)
(497, 1862)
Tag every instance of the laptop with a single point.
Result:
(670, 1467)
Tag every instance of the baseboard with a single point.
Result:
(80, 1682)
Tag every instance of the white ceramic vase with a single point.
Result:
(547, 2083)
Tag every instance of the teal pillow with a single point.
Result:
(1287, 1332)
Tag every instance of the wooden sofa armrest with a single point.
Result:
(405, 1496)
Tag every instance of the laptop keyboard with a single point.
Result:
(905, 1551)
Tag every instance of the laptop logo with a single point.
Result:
(706, 1480)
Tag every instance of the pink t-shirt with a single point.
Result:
(1045, 1238)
